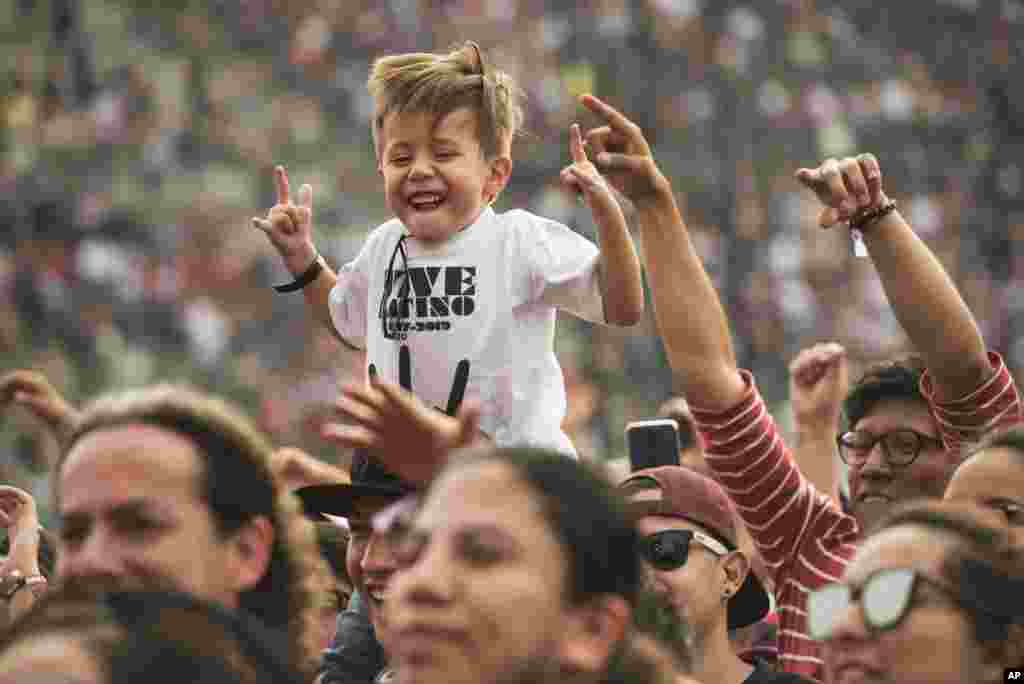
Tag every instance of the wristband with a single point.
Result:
(308, 276)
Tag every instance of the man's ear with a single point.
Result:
(595, 630)
(735, 567)
(500, 172)
(251, 546)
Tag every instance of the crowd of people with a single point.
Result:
(381, 470)
(137, 138)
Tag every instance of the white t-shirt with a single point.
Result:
(487, 296)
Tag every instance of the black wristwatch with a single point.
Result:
(307, 276)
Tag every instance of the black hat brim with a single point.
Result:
(340, 499)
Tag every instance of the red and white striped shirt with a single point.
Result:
(806, 540)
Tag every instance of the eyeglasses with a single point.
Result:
(885, 599)
(900, 447)
(669, 549)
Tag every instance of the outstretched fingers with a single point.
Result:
(611, 116)
(576, 150)
(283, 191)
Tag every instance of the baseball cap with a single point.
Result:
(369, 479)
(680, 492)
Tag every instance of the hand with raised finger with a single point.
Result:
(34, 391)
(289, 226)
(621, 153)
(818, 382)
(17, 510)
(19, 516)
(581, 176)
(407, 436)
(844, 187)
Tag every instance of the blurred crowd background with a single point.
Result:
(138, 138)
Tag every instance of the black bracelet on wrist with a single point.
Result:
(308, 276)
(868, 217)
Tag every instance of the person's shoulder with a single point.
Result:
(383, 235)
(527, 227)
(390, 227)
(523, 219)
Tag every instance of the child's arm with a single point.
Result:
(289, 228)
(619, 274)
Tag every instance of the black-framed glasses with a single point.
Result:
(900, 447)
(669, 549)
(885, 598)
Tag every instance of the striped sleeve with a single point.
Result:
(805, 539)
(996, 403)
(780, 507)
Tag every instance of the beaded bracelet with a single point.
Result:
(862, 219)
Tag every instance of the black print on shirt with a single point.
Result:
(459, 383)
(427, 298)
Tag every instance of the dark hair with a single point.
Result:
(47, 556)
(238, 485)
(895, 379)
(172, 636)
(333, 540)
(979, 544)
(585, 514)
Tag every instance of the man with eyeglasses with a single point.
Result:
(805, 538)
(690, 551)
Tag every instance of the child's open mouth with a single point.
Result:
(426, 201)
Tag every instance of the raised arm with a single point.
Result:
(18, 515)
(289, 227)
(687, 310)
(621, 282)
(818, 380)
(35, 392)
(921, 293)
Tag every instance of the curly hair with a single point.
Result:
(895, 379)
(441, 83)
(980, 544)
(238, 485)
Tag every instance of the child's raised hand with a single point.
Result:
(582, 176)
(288, 226)
(622, 153)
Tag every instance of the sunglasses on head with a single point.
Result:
(885, 598)
(668, 550)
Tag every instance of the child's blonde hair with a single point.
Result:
(440, 84)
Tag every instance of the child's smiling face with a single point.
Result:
(436, 179)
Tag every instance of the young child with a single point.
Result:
(451, 299)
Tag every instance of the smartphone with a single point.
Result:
(652, 443)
